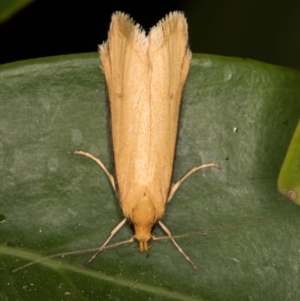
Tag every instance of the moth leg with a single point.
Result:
(112, 233)
(167, 231)
(99, 162)
(176, 185)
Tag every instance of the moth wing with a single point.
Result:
(125, 63)
(145, 78)
(170, 58)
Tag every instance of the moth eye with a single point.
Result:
(131, 227)
(153, 228)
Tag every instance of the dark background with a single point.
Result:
(263, 30)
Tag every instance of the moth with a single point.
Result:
(145, 77)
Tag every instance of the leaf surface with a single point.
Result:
(238, 113)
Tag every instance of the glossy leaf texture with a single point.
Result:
(238, 113)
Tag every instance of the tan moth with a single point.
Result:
(145, 76)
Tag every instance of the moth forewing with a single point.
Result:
(170, 58)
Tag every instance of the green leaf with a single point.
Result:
(10, 7)
(240, 114)
(289, 176)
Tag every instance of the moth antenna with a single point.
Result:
(155, 238)
(228, 226)
(54, 256)
(204, 232)
(99, 249)
(117, 244)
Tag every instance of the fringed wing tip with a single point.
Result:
(171, 22)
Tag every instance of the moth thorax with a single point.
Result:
(143, 217)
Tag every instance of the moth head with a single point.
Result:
(143, 218)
